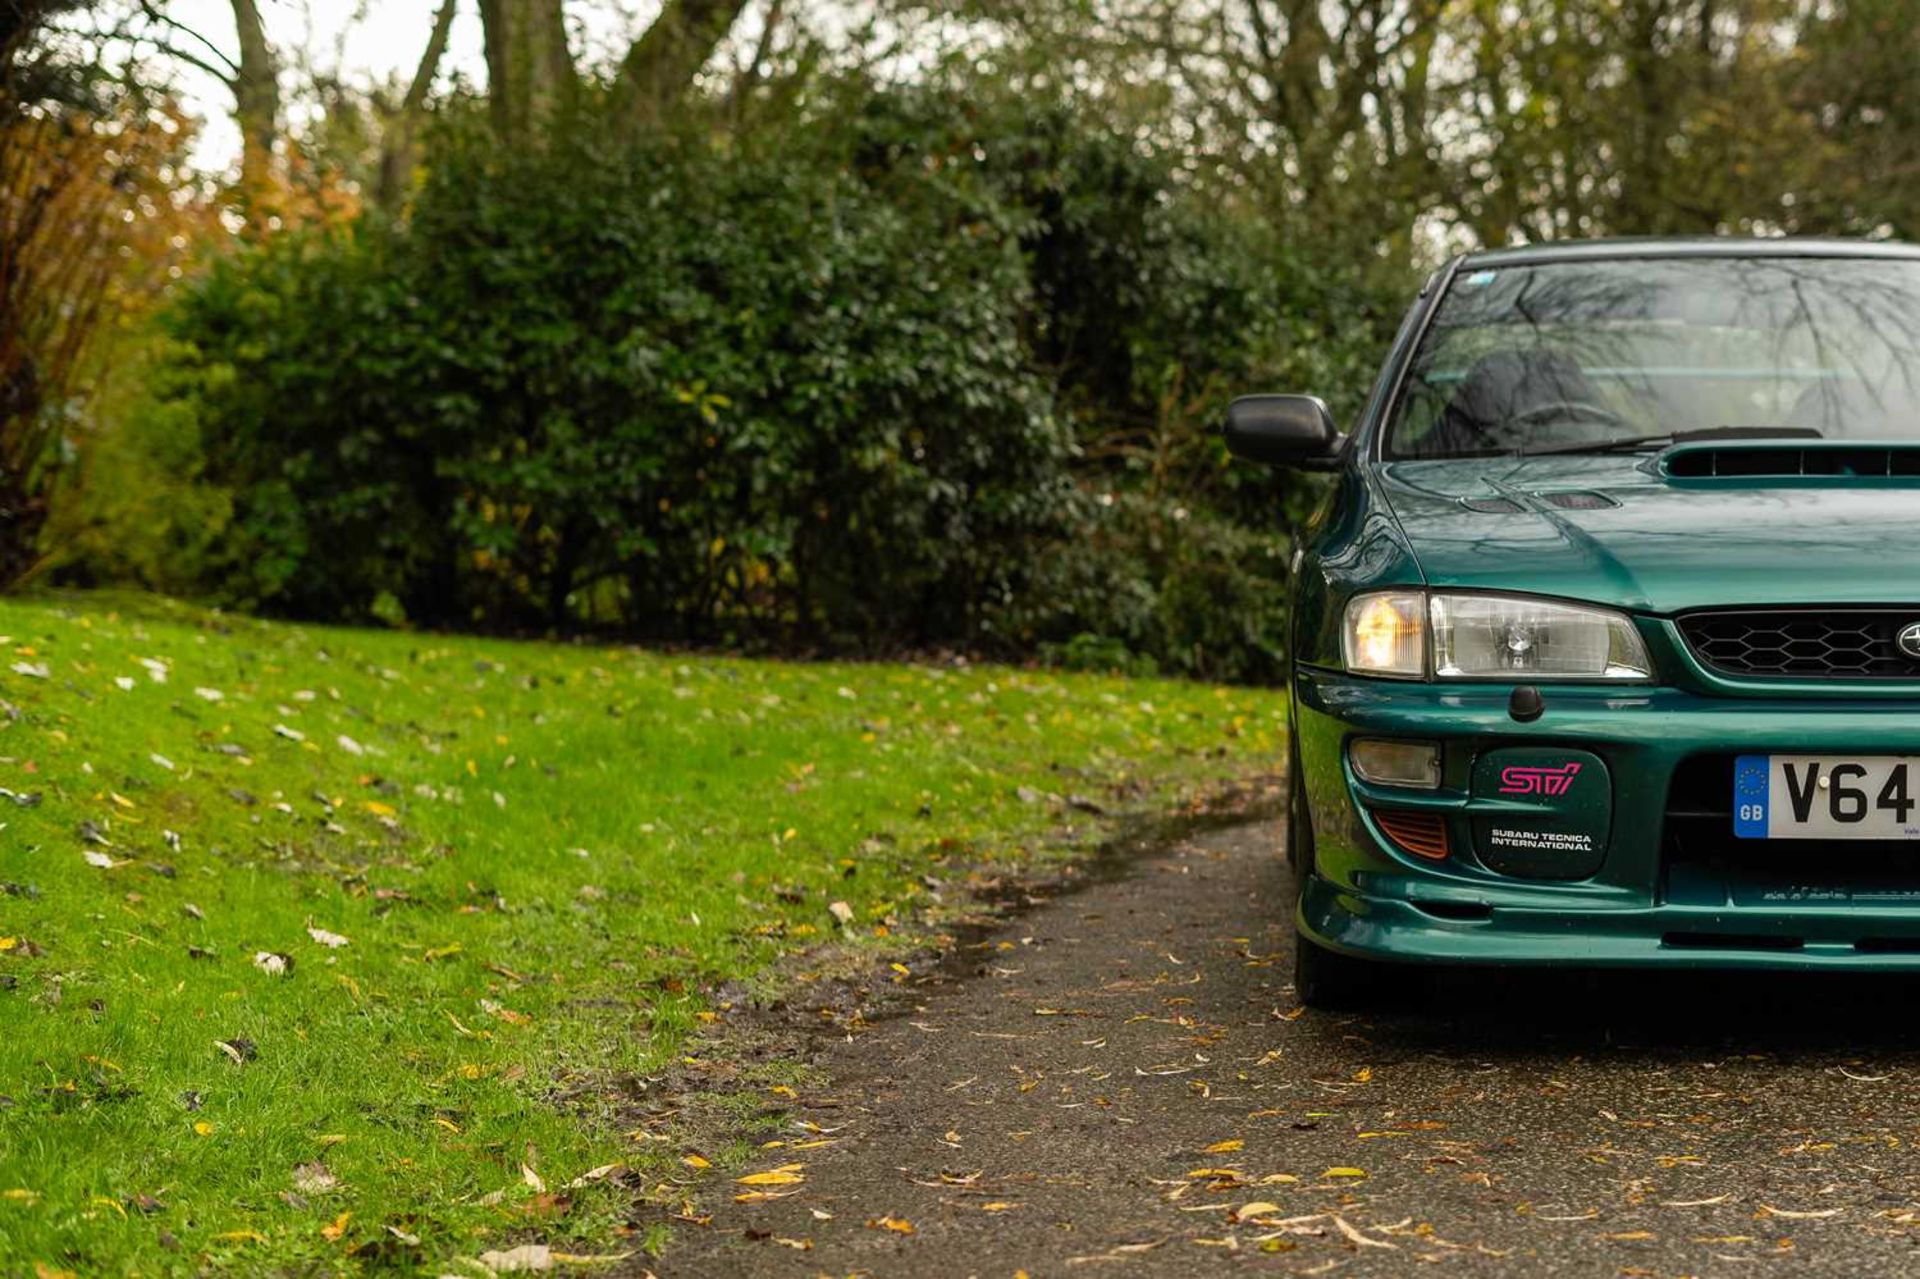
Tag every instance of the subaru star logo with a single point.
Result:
(1909, 640)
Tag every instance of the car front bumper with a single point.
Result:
(1648, 900)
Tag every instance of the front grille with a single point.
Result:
(1803, 644)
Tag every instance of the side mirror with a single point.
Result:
(1284, 430)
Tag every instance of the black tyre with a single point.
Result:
(1321, 978)
(1299, 838)
(1331, 981)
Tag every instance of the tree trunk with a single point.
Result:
(662, 63)
(256, 108)
(529, 67)
(397, 150)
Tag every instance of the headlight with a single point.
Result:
(1489, 637)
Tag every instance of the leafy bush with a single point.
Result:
(653, 388)
(136, 507)
(1151, 585)
(941, 370)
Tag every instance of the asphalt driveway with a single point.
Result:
(1122, 1081)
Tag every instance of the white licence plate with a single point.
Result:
(1826, 797)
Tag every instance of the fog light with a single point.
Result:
(1385, 763)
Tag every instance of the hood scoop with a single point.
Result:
(1823, 461)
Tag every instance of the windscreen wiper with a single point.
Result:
(1640, 443)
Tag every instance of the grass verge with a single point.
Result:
(309, 937)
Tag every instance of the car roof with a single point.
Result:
(1716, 246)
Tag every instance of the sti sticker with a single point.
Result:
(1551, 782)
(1541, 812)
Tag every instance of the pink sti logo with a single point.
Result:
(1538, 781)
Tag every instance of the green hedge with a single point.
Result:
(920, 373)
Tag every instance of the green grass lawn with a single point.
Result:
(314, 943)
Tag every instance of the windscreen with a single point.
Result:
(1625, 354)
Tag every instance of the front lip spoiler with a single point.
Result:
(1398, 930)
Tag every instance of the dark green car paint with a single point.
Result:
(1633, 538)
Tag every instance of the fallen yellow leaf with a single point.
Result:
(770, 1179)
(338, 1228)
(1225, 1147)
(695, 1161)
(1344, 1172)
(895, 1224)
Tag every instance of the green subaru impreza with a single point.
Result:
(1606, 640)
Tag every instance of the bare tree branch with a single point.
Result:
(396, 154)
(664, 61)
(256, 99)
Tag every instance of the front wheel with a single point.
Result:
(1330, 981)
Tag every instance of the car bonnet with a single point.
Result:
(1666, 534)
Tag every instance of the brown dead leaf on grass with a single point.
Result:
(273, 963)
(313, 1178)
(528, 1256)
(601, 1173)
